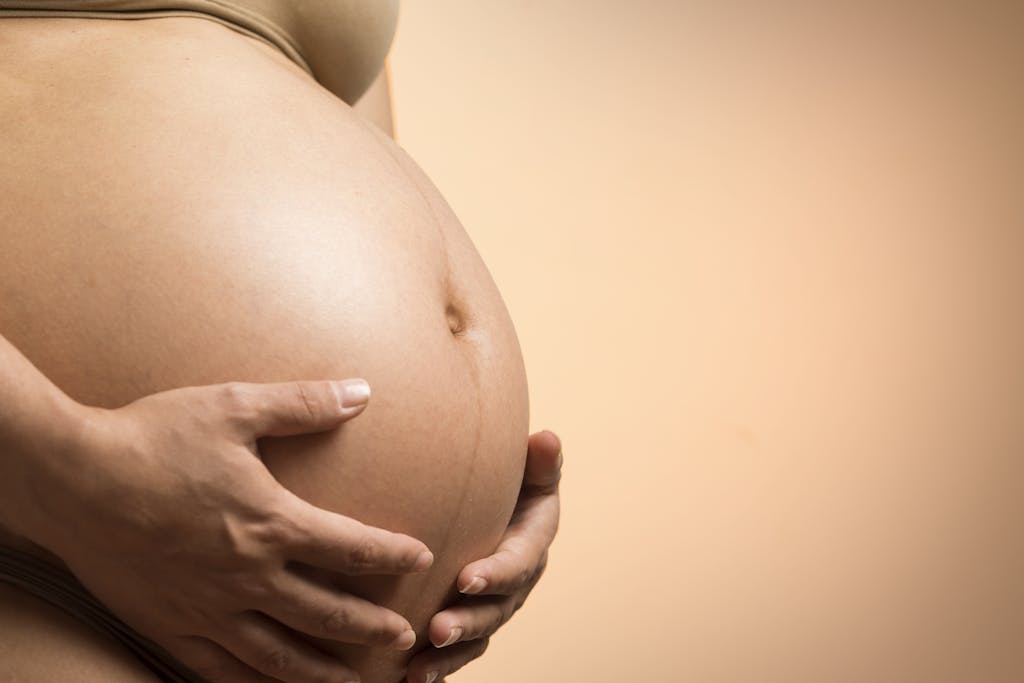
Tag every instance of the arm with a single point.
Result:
(375, 104)
(37, 420)
(104, 490)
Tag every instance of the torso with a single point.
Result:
(182, 205)
(341, 43)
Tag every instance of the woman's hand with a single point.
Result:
(164, 511)
(497, 586)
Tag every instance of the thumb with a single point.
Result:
(290, 408)
(543, 460)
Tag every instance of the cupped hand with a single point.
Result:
(165, 512)
(495, 587)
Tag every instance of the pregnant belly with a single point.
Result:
(179, 205)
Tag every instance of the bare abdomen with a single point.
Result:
(180, 206)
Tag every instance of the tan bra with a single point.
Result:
(341, 43)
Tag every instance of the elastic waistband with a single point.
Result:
(61, 589)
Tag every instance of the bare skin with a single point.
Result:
(165, 457)
(467, 306)
(504, 580)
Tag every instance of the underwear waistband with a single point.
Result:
(61, 589)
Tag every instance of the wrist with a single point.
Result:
(41, 455)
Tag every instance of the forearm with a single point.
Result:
(37, 420)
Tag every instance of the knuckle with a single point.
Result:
(235, 396)
(254, 545)
(337, 621)
(276, 661)
(255, 586)
(406, 558)
(239, 402)
(305, 403)
(363, 554)
(276, 530)
(474, 628)
(517, 570)
(518, 576)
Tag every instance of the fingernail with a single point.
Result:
(404, 641)
(431, 677)
(453, 635)
(425, 559)
(352, 393)
(475, 586)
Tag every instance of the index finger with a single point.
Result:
(341, 544)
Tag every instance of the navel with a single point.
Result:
(456, 319)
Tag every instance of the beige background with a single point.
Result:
(766, 268)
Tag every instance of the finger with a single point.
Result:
(520, 552)
(214, 663)
(543, 460)
(310, 608)
(289, 408)
(273, 651)
(331, 541)
(431, 665)
(471, 621)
